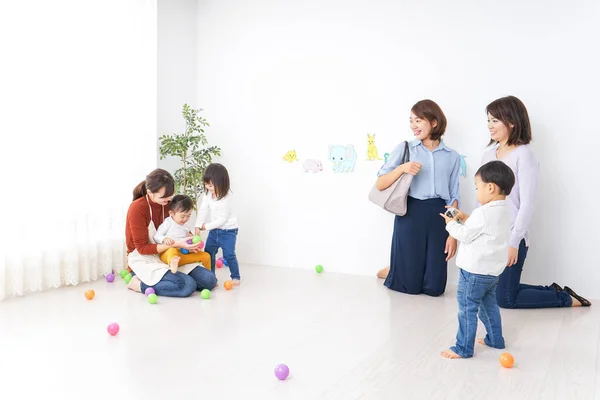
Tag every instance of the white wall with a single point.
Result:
(274, 76)
(177, 66)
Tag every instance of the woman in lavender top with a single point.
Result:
(510, 131)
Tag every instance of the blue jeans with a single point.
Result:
(512, 293)
(477, 295)
(224, 239)
(182, 285)
(173, 285)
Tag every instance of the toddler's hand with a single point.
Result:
(197, 231)
(168, 241)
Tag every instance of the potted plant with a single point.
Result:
(190, 148)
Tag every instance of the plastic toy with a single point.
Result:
(112, 329)
(282, 371)
(89, 294)
(152, 298)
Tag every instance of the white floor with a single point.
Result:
(343, 337)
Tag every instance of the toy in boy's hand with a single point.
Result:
(451, 214)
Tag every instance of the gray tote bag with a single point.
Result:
(393, 199)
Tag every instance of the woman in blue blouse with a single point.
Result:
(421, 246)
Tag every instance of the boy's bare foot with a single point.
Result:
(481, 341)
(235, 282)
(135, 284)
(450, 354)
(174, 264)
(383, 273)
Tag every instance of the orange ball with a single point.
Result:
(228, 285)
(507, 360)
(89, 294)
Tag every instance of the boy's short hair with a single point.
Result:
(499, 174)
(181, 203)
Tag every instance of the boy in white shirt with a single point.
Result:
(223, 225)
(482, 256)
(174, 227)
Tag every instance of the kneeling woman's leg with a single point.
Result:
(203, 278)
(407, 263)
(174, 285)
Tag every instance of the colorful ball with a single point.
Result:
(149, 291)
(112, 329)
(152, 298)
(89, 294)
(196, 239)
(205, 294)
(123, 273)
(201, 246)
(128, 278)
(219, 263)
(282, 372)
(110, 277)
(319, 268)
(228, 285)
(190, 241)
(507, 360)
(184, 251)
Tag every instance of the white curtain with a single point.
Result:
(78, 132)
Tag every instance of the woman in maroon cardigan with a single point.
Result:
(147, 211)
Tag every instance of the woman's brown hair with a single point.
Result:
(430, 111)
(511, 111)
(155, 180)
(217, 175)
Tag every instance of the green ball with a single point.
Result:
(128, 278)
(196, 239)
(205, 294)
(152, 298)
(123, 273)
(319, 268)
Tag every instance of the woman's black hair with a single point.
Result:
(511, 111)
(155, 180)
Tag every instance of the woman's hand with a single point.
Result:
(513, 256)
(450, 247)
(197, 230)
(411, 167)
(183, 244)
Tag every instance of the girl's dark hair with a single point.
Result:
(499, 174)
(155, 180)
(217, 175)
(181, 203)
(429, 110)
(511, 111)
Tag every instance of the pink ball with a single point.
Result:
(112, 329)
(110, 277)
(282, 371)
(219, 263)
(149, 291)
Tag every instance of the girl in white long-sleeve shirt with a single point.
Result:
(223, 224)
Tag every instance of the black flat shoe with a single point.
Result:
(556, 287)
(584, 302)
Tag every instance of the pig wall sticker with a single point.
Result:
(312, 166)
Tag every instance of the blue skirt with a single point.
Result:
(418, 262)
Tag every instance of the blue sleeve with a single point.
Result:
(454, 182)
(393, 161)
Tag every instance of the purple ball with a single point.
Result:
(110, 277)
(190, 241)
(282, 371)
(149, 291)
